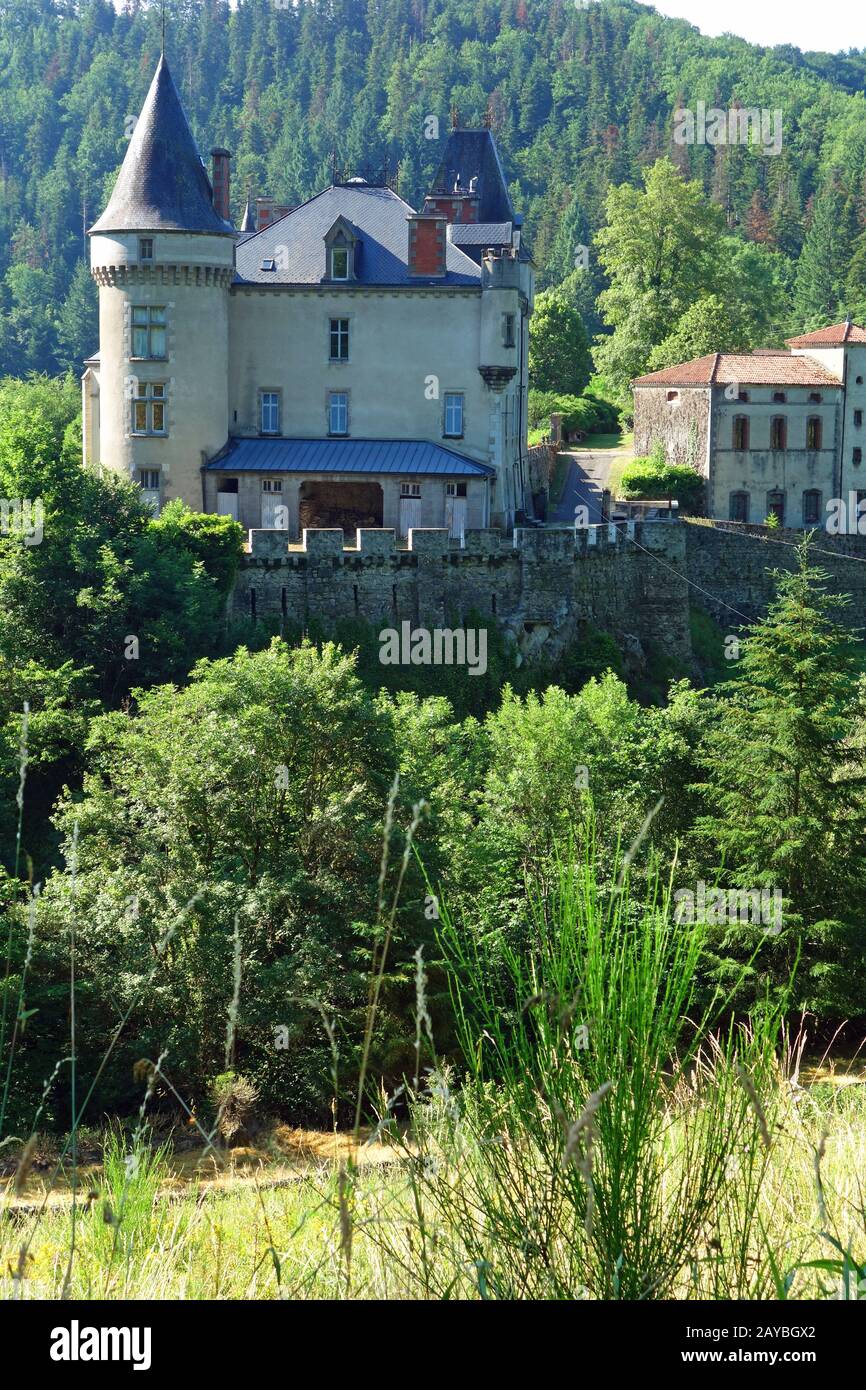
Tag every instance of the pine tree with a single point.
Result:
(77, 321)
(821, 269)
(785, 788)
(758, 224)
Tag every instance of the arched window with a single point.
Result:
(811, 507)
(776, 506)
(739, 506)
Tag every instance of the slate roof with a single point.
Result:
(835, 335)
(481, 233)
(404, 456)
(162, 185)
(749, 369)
(295, 243)
(472, 154)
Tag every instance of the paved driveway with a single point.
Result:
(584, 483)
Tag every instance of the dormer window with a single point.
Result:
(342, 248)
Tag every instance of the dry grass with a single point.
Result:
(238, 1234)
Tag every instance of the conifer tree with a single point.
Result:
(785, 785)
(822, 265)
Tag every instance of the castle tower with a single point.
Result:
(156, 399)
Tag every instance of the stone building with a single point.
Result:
(348, 362)
(772, 432)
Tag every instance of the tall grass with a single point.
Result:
(599, 1125)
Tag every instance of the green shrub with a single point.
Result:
(648, 479)
(588, 413)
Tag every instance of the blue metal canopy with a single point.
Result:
(404, 456)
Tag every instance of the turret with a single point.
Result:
(163, 258)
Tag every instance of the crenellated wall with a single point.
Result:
(732, 566)
(541, 586)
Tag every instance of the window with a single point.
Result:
(858, 418)
(739, 506)
(778, 432)
(779, 397)
(742, 395)
(776, 505)
(673, 395)
(811, 507)
(145, 248)
(410, 489)
(453, 414)
(338, 412)
(148, 409)
(815, 397)
(272, 485)
(270, 412)
(339, 336)
(857, 455)
(148, 331)
(269, 264)
(455, 489)
(813, 432)
(741, 432)
(339, 263)
(148, 481)
(508, 330)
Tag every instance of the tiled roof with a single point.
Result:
(835, 335)
(404, 456)
(295, 243)
(472, 154)
(162, 185)
(747, 368)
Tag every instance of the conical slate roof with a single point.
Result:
(472, 154)
(249, 222)
(162, 185)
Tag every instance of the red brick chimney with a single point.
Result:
(427, 243)
(460, 205)
(268, 211)
(221, 181)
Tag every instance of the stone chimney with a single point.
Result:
(221, 182)
(427, 244)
